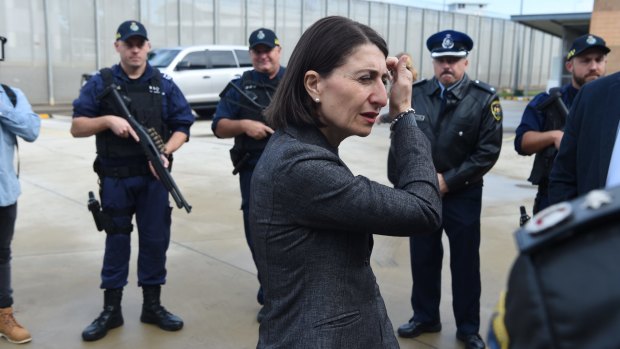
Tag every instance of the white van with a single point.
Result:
(202, 72)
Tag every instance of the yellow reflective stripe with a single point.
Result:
(499, 328)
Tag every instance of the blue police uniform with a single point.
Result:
(463, 125)
(137, 192)
(233, 106)
(534, 120)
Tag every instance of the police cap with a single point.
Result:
(585, 42)
(449, 43)
(264, 36)
(131, 28)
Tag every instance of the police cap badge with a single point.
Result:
(449, 43)
(586, 42)
(128, 29)
(264, 36)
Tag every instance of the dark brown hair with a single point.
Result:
(323, 47)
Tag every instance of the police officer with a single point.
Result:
(240, 116)
(541, 131)
(127, 185)
(462, 120)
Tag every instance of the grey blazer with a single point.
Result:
(312, 222)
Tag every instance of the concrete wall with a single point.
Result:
(53, 42)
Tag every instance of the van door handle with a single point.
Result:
(206, 77)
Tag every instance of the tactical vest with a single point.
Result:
(261, 93)
(543, 161)
(146, 107)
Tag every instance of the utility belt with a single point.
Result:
(121, 170)
(104, 217)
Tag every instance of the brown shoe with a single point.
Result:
(11, 329)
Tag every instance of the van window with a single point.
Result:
(161, 58)
(244, 58)
(221, 59)
(193, 60)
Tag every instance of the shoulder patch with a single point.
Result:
(484, 86)
(496, 110)
(166, 76)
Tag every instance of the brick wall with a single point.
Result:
(606, 24)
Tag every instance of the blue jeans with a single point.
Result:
(8, 214)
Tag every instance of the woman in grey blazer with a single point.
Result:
(312, 220)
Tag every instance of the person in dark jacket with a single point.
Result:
(541, 131)
(241, 116)
(462, 118)
(312, 220)
(127, 183)
(589, 155)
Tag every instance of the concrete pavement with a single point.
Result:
(57, 252)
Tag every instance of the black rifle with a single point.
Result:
(239, 165)
(152, 152)
(244, 94)
(239, 160)
(554, 106)
(555, 112)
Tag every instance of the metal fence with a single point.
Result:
(51, 43)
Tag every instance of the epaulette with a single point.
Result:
(559, 222)
(166, 76)
(484, 86)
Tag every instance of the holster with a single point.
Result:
(239, 159)
(103, 219)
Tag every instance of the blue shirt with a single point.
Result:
(177, 113)
(14, 121)
(534, 120)
(230, 110)
(444, 89)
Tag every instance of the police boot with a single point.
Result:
(154, 313)
(111, 316)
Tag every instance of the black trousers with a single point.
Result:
(542, 197)
(461, 222)
(8, 215)
(245, 182)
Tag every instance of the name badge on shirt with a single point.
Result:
(154, 89)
